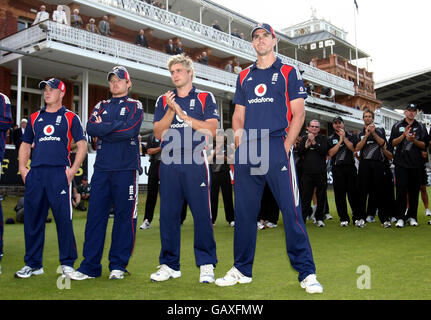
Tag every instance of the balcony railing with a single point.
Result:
(208, 34)
(87, 41)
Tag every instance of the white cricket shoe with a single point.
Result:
(344, 223)
(145, 225)
(232, 277)
(77, 275)
(400, 223)
(427, 212)
(311, 285)
(207, 273)
(320, 223)
(412, 222)
(328, 216)
(27, 272)
(387, 224)
(270, 225)
(232, 224)
(370, 219)
(360, 223)
(165, 273)
(260, 225)
(67, 270)
(116, 275)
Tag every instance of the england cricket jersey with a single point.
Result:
(200, 105)
(266, 94)
(52, 134)
(117, 144)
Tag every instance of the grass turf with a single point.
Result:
(399, 261)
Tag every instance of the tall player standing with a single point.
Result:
(49, 181)
(269, 97)
(180, 116)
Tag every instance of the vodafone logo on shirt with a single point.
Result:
(260, 90)
(49, 131)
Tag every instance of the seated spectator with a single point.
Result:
(170, 48)
(141, 40)
(242, 36)
(229, 66)
(84, 188)
(91, 26)
(76, 20)
(104, 27)
(216, 25)
(179, 48)
(59, 15)
(42, 15)
(203, 58)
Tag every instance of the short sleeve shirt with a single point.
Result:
(52, 134)
(266, 94)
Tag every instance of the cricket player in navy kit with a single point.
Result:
(183, 118)
(269, 98)
(49, 181)
(5, 124)
(116, 123)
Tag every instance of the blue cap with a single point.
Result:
(265, 27)
(120, 71)
(54, 84)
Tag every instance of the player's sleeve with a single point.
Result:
(296, 88)
(395, 133)
(76, 130)
(99, 129)
(129, 128)
(211, 109)
(159, 110)
(5, 113)
(239, 97)
(28, 135)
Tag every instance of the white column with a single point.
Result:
(84, 99)
(167, 5)
(19, 93)
(201, 10)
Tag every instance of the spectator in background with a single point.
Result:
(242, 36)
(170, 48)
(18, 133)
(91, 26)
(104, 27)
(59, 15)
(42, 15)
(203, 58)
(237, 68)
(141, 40)
(84, 188)
(76, 20)
(235, 33)
(229, 67)
(179, 48)
(216, 25)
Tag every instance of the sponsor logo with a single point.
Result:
(260, 90)
(48, 130)
(63, 192)
(181, 123)
(203, 184)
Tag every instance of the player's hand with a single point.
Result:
(70, 174)
(341, 133)
(170, 99)
(406, 132)
(371, 128)
(24, 171)
(411, 137)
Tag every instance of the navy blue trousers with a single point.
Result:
(48, 187)
(190, 182)
(120, 190)
(281, 178)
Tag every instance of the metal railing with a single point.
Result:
(206, 33)
(88, 41)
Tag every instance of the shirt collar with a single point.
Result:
(191, 92)
(277, 64)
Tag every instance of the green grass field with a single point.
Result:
(399, 262)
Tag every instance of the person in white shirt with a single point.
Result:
(59, 15)
(42, 15)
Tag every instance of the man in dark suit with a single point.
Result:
(141, 40)
(18, 132)
(170, 48)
